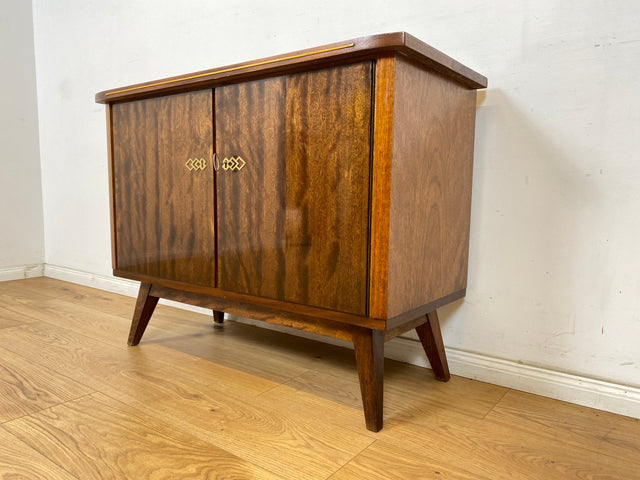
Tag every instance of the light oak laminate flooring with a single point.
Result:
(196, 400)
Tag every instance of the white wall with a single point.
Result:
(21, 227)
(554, 269)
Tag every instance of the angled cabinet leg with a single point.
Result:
(369, 350)
(218, 317)
(431, 339)
(145, 305)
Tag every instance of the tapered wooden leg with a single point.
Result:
(431, 339)
(369, 349)
(218, 317)
(145, 305)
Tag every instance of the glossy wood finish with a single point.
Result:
(293, 223)
(164, 213)
(249, 124)
(350, 216)
(430, 190)
(145, 305)
(297, 320)
(381, 186)
(369, 350)
(218, 317)
(431, 339)
(240, 298)
(348, 51)
(327, 176)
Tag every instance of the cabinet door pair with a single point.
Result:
(291, 224)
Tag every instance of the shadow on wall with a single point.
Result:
(529, 204)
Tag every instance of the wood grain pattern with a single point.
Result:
(201, 403)
(145, 305)
(228, 297)
(623, 437)
(326, 228)
(258, 360)
(356, 50)
(27, 388)
(106, 302)
(250, 124)
(67, 338)
(571, 424)
(293, 445)
(322, 326)
(431, 339)
(369, 351)
(503, 452)
(10, 318)
(122, 443)
(164, 212)
(20, 461)
(74, 316)
(327, 176)
(433, 127)
(411, 394)
(13, 294)
(81, 358)
(385, 461)
(293, 224)
(162, 396)
(381, 187)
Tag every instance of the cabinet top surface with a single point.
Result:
(350, 50)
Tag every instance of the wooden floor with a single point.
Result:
(239, 402)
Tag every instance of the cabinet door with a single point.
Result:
(293, 220)
(163, 187)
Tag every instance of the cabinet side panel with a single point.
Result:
(431, 175)
(163, 187)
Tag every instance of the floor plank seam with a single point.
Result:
(472, 427)
(35, 412)
(39, 452)
(61, 402)
(172, 426)
(495, 405)
(22, 313)
(277, 385)
(34, 447)
(333, 474)
(611, 441)
(186, 431)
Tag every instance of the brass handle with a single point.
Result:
(216, 162)
(235, 164)
(195, 164)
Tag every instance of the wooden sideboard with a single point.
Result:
(327, 190)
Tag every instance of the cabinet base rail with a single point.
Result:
(368, 343)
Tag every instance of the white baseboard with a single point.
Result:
(571, 388)
(102, 282)
(21, 272)
(588, 392)
(121, 286)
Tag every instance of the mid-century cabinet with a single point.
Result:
(327, 189)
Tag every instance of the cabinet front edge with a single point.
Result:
(244, 299)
